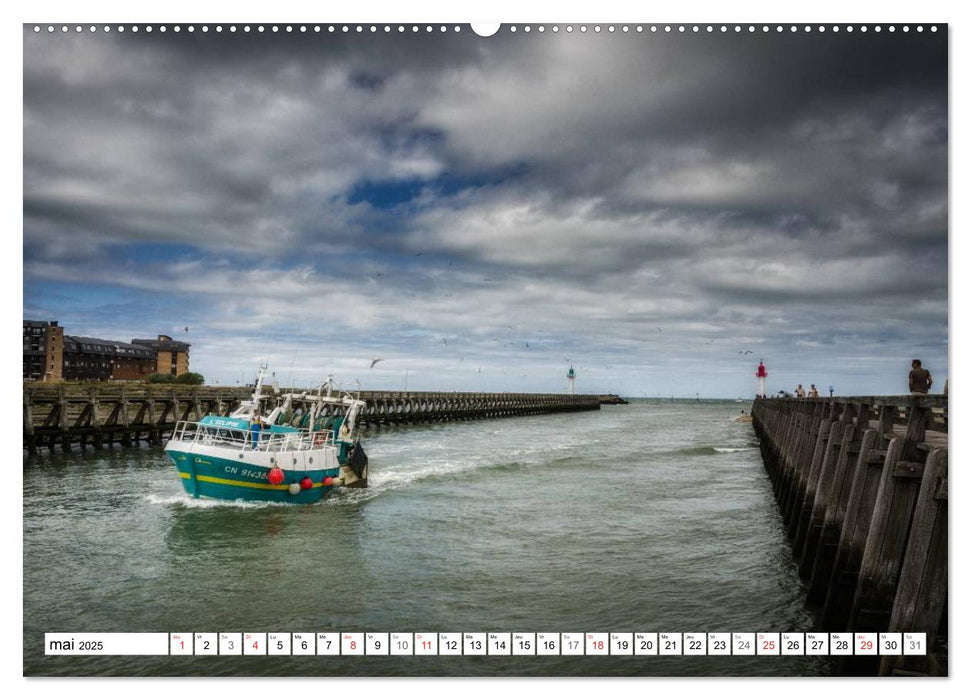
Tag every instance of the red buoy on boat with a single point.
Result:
(306, 483)
(328, 480)
(275, 476)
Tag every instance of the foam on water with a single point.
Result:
(187, 501)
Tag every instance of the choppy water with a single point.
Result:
(651, 517)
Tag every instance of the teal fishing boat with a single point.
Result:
(298, 452)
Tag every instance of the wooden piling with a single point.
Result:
(922, 592)
(835, 509)
(862, 485)
(886, 541)
(838, 435)
(802, 514)
(855, 524)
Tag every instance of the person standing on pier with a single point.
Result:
(800, 392)
(920, 379)
(813, 391)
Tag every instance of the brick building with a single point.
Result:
(49, 355)
(95, 359)
(43, 351)
(172, 356)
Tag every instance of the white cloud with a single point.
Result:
(623, 201)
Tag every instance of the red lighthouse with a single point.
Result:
(760, 376)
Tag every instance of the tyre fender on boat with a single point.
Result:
(357, 459)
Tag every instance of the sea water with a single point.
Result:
(652, 517)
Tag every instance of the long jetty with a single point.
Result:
(62, 415)
(861, 483)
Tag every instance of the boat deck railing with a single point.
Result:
(252, 440)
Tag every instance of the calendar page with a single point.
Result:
(523, 349)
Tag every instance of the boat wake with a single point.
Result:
(380, 481)
(401, 472)
(186, 501)
(394, 478)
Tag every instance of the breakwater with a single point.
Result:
(861, 483)
(97, 416)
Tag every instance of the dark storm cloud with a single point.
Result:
(727, 189)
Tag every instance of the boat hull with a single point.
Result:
(227, 478)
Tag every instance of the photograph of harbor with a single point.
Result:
(555, 332)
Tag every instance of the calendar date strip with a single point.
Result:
(486, 644)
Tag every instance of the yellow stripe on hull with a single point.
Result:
(244, 484)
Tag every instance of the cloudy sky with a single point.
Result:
(658, 210)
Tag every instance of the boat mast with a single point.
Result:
(258, 393)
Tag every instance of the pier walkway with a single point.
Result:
(861, 483)
(62, 415)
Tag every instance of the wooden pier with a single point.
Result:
(63, 415)
(862, 486)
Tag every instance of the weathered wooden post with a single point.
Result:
(807, 452)
(840, 435)
(885, 545)
(922, 593)
(887, 414)
(29, 425)
(790, 459)
(832, 520)
(153, 436)
(97, 437)
(126, 437)
(65, 426)
(917, 418)
(197, 413)
(799, 527)
(176, 413)
(856, 523)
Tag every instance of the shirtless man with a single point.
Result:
(920, 379)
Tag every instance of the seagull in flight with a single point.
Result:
(375, 361)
